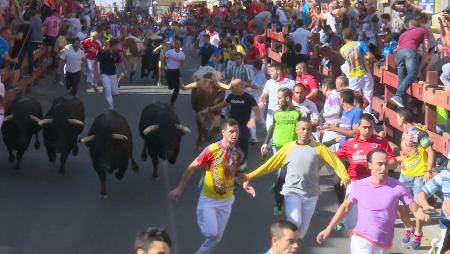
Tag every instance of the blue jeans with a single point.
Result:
(407, 62)
(413, 183)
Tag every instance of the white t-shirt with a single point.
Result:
(331, 21)
(174, 59)
(301, 36)
(272, 87)
(73, 59)
(214, 39)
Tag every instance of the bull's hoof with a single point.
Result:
(155, 178)
(11, 158)
(52, 159)
(119, 176)
(103, 196)
(75, 151)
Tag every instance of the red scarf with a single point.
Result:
(282, 77)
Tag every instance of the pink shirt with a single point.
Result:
(412, 38)
(52, 24)
(377, 209)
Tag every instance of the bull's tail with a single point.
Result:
(134, 165)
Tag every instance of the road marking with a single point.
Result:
(141, 89)
(171, 210)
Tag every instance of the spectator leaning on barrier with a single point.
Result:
(152, 241)
(285, 239)
(407, 58)
(418, 159)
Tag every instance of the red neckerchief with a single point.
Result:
(211, 34)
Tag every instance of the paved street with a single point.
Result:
(44, 212)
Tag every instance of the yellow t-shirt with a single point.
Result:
(240, 49)
(222, 165)
(414, 143)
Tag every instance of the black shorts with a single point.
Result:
(49, 40)
(173, 78)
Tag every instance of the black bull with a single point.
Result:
(161, 130)
(62, 124)
(20, 124)
(110, 145)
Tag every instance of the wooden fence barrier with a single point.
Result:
(24, 85)
(386, 79)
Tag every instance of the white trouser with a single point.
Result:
(212, 218)
(2, 116)
(299, 210)
(359, 245)
(269, 119)
(110, 86)
(90, 72)
(364, 85)
(352, 216)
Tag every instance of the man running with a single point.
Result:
(108, 58)
(304, 158)
(355, 151)
(222, 160)
(241, 105)
(377, 197)
(283, 132)
(91, 48)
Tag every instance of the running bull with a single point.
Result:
(20, 124)
(61, 126)
(207, 91)
(110, 145)
(161, 130)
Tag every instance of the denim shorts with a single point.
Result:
(413, 183)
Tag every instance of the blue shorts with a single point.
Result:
(413, 183)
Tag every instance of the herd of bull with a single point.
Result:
(109, 139)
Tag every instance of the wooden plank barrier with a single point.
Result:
(386, 78)
(24, 85)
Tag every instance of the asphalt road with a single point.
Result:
(44, 212)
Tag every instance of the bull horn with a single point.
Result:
(87, 139)
(190, 86)
(45, 121)
(150, 129)
(75, 121)
(224, 86)
(183, 128)
(8, 117)
(119, 137)
(34, 118)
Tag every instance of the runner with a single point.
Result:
(174, 59)
(222, 160)
(91, 47)
(377, 197)
(304, 159)
(108, 58)
(283, 132)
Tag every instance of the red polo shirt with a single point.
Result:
(355, 150)
(310, 84)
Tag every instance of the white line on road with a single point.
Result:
(171, 210)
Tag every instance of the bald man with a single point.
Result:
(241, 106)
